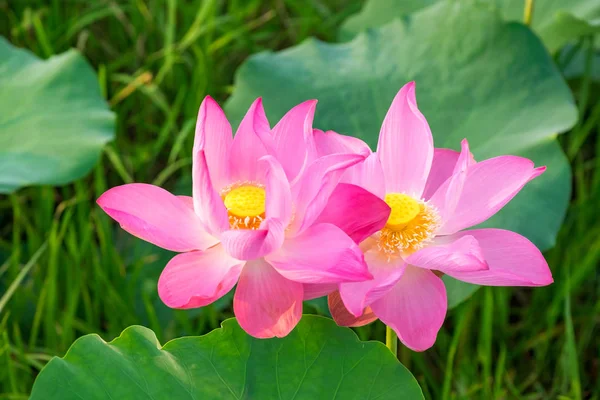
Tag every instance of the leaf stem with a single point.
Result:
(391, 340)
(528, 13)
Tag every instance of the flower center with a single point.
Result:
(245, 206)
(410, 225)
(404, 209)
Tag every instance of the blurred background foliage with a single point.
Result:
(67, 270)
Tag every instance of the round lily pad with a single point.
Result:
(555, 21)
(53, 119)
(317, 360)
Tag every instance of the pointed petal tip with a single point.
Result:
(101, 200)
(256, 106)
(411, 95)
(538, 171)
(209, 101)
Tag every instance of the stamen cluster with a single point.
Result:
(396, 240)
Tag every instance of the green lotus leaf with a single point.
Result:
(317, 360)
(53, 119)
(477, 76)
(566, 28)
(555, 21)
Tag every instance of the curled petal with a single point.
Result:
(321, 254)
(462, 254)
(312, 192)
(198, 278)
(156, 216)
(248, 244)
(265, 303)
(415, 308)
(343, 317)
(355, 211)
(359, 295)
(512, 259)
(405, 145)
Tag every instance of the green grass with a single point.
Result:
(66, 270)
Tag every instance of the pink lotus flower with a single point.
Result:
(252, 219)
(433, 195)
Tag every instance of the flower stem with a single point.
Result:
(528, 13)
(391, 340)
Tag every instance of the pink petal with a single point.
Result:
(489, 185)
(512, 259)
(198, 278)
(265, 303)
(323, 253)
(368, 175)
(247, 147)
(442, 166)
(355, 211)
(446, 198)
(207, 202)
(405, 145)
(358, 295)
(278, 199)
(213, 135)
(463, 254)
(319, 180)
(331, 142)
(248, 244)
(293, 139)
(343, 317)
(415, 308)
(316, 290)
(188, 200)
(156, 216)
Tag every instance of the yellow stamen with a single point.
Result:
(245, 205)
(404, 209)
(411, 224)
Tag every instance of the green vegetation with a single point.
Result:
(229, 363)
(67, 270)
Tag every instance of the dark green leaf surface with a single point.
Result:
(53, 120)
(555, 21)
(490, 81)
(318, 360)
